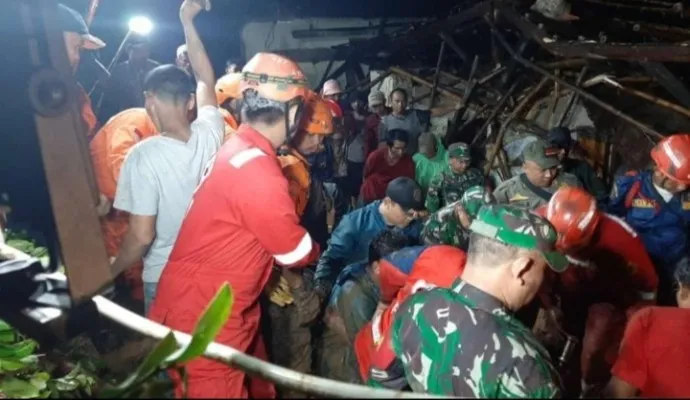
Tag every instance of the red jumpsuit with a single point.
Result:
(240, 222)
(605, 284)
(436, 266)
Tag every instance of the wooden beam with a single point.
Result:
(644, 128)
(669, 81)
(613, 51)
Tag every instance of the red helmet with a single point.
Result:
(573, 212)
(672, 157)
(336, 111)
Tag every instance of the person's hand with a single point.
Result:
(421, 214)
(191, 8)
(104, 205)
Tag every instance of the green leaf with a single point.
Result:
(210, 323)
(18, 350)
(17, 388)
(11, 365)
(154, 361)
(40, 380)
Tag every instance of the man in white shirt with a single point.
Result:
(160, 174)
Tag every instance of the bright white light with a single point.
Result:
(140, 25)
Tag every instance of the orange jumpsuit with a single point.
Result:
(109, 147)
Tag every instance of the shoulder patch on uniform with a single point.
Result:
(518, 197)
(244, 156)
(622, 223)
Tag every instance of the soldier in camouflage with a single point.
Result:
(465, 341)
(448, 186)
(541, 178)
(450, 225)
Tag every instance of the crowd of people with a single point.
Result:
(421, 281)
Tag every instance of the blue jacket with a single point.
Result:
(349, 242)
(322, 164)
(662, 226)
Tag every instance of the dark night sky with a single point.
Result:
(221, 28)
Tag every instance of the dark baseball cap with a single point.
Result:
(406, 192)
(542, 153)
(559, 137)
(71, 21)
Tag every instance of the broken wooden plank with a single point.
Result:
(454, 46)
(496, 110)
(437, 74)
(573, 98)
(422, 81)
(644, 128)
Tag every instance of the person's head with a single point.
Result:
(459, 157)
(316, 124)
(398, 100)
(377, 102)
(396, 140)
(182, 58)
(228, 94)
(671, 157)
(168, 96)
(232, 66)
(560, 138)
(76, 35)
(427, 144)
(472, 200)
(509, 251)
(331, 90)
(682, 277)
(138, 49)
(384, 244)
(402, 202)
(540, 163)
(573, 213)
(358, 102)
(273, 89)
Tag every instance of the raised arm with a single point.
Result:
(201, 65)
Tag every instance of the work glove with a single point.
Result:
(278, 290)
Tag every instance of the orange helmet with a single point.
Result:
(317, 118)
(274, 77)
(573, 212)
(228, 87)
(672, 157)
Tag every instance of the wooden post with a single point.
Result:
(496, 110)
(437, 74)
(572, 99)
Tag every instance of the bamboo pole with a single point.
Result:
(369, 84)
(504, 127)
(554, 101)
(279, 375)
(437, 74)
(649, 132)
(638, 93)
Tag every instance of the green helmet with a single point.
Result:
(520, 228)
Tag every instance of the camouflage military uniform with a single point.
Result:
(464, 342)
(518, 191)
(448, 187)
(443, 226)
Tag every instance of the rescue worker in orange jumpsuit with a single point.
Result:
(241, 222)
(78, 38)
(109, 148)
(402, 274)
(611, 276)
(229, 99)
(291, 309)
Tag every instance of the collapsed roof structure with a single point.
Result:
(609, 70)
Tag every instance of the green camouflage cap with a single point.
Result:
(474, 198)
(459, 150)
(542, 153)
(520, 228)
